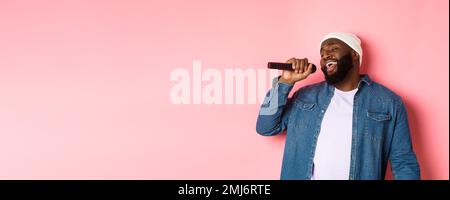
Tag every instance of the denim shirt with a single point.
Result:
(380, 130)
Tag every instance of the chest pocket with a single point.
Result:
(379, 117)
(304, 106)
(376, 124)
(304, 115)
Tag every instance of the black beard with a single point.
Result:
(344, 65)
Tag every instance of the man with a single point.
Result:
(347, 127)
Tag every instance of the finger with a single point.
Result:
(294, 65)
(302, 66)
(308, 70)
(305, 66)
(291, 61)
(297, 66)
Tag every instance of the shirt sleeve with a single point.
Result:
(275, 110)
(402, 157)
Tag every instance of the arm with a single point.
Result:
(274, 112)
(403, 159)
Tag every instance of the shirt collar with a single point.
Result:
(364, 79)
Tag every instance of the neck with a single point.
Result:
(351, 81)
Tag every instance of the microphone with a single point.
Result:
(286, 66)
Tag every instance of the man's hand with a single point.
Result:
(301, 70)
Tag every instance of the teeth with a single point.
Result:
(329, 63)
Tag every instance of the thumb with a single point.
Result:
(309, 70)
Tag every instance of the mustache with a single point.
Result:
(344, 65)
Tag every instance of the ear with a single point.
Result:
(355, 55)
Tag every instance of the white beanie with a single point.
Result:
(348, 38)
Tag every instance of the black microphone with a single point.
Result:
(286, 66)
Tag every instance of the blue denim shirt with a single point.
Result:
(380, 129)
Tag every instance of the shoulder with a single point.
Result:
(315, 87)
(310, 92)
(380, 91)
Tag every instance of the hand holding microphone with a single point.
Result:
(301, 69)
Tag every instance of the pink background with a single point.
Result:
(85, 85)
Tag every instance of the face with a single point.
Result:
(336, 60)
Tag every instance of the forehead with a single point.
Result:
(333, 41)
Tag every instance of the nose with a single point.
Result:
(326, 55)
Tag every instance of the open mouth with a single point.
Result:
(331, 66)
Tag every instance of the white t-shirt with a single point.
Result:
(333, 150)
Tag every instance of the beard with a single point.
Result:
(344, 65)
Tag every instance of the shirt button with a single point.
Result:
(322, 111)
